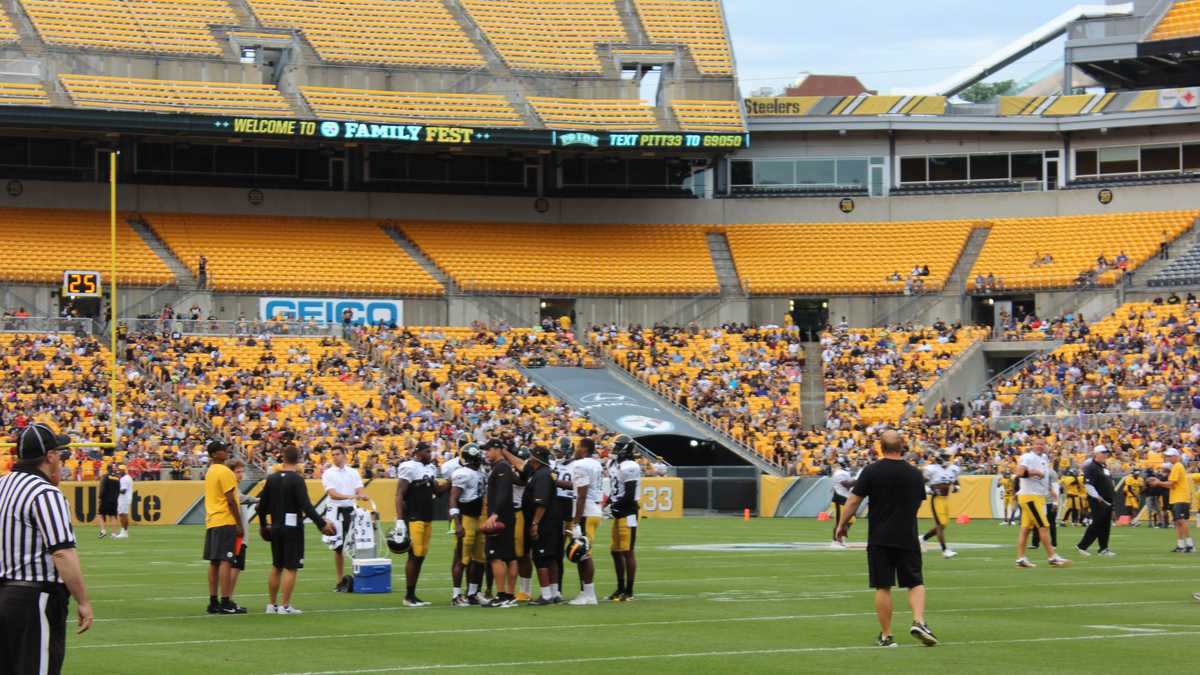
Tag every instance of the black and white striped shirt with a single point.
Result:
(35, 521)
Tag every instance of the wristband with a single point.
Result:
(454, 513)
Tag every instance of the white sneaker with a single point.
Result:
(838, 545)
(271, 609)
(1024, 562)
(287, 609)
(103, 534)
(948, 554)
(1196, 597)
(1107, 553)
(583, 600)
(1082, 552)
(1058, 561)
(121, 535)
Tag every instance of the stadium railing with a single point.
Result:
(186, 326)
(45, 324)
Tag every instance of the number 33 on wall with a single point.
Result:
(662, 498)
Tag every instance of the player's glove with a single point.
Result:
(402, 527)
(577, 531)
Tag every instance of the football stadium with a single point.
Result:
(331, 326)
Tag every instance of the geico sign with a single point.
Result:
(331, 309)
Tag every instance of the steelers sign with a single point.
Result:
(646, 425)
(1105, 196)
(846, 205)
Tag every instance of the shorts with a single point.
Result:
(108, 508)
(887, 567)
(501, 546)
(472, 541)
(287, 548)
(939, 506)
(839, 500)
(623, 534)
(419, 531)
(220, 543)
(1010, 500)
(1033, 510)
(590, 525)
(346, 515)
(837, 510)
(124, 506)
(1181, 511)
(547, 546)
(519, 536)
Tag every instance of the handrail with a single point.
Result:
(45, 324)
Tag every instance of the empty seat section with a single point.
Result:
(156, 26)
(709, 115)
(8, 33)
(393, 32)
(183, 96)
(1074, 243)
(845, 257)
(570, 259)
(1182, 20)
(548, 35)
(481, 110)
(698, 24)
(578, 113)
(305, 255)
(23, 93)
(42, 243)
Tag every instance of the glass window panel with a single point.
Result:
(1162, 158)
(1085, 163)
(154, 157)
(468, 169)
(647, 172)
(1027, 166)
(572, 171)
(609, 171)
(741, 173)
(504, 170)
(236, 160)
(277, 162)
(989, 167)
(50, 152)
(194, 158)
(947, 168)
(1119, 160)
(14, 151)
(814, 171)
(386, 166)
(1191, 157)
(767, 172)
(912, 170)
(427, 168)
(852, 172)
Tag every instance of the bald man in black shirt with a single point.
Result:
(896, 489)
(285, 501)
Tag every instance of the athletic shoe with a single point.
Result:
(1196, 597)
(475, 601)
(627, 598)
(1190, 549)
(1082, 552)
(1179, 549)
(509, 603)
(1106, 553)
(617, 596)
(1024, 562)
(271, 609)
(214, 608)
(540, 602)
(522, 597)
(414, 601)
(922, 633)
(583, 600)
(232, 608)
(460, 601)
(1058, 561)
(838, 545)
(121, 535)
(102, 535)
(886, 641)
(342, 586)
(558, 599)
(288, 609)
(948, 554)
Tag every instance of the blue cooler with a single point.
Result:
(373, 575)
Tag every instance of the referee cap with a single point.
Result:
(38, 440)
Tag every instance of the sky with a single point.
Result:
(888, 44)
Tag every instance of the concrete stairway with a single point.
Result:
(1143, 274)
(956, 283)
(722, 259)
(812, 387)
(418, 255)
(183, 276)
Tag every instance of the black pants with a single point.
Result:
(1052, 516)
(1100, 527)
(33, 630)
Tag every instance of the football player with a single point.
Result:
(519, 461)
(545, 535)
(1131, 487)
(1008, 490)
(587, 476)
(843, 482)
(466, 505)
(625, 482)
(560, 468)
(415, 491)
(940, 478)
(499, 525)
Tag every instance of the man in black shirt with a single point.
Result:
(285, 500)
(1099, 486)
(896, 489)
(499, 545)
(545, 536)
(110, 488)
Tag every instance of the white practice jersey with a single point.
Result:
(588, 472)
(620, 473)
(936, 474)
(125, 495)
(1031, 486)
(840, 476)
(414, 471)
(450, 466)
(562, 470)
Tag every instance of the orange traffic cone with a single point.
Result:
(823, 516)
(963, 519)
(1124, 520)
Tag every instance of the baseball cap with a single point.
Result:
(38, 440)
(422, 446)
(1098, 449)
(215, 446)
(1171, 452)
(493, 443)
(541, 453)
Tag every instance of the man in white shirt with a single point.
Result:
(342, 486)
(124, 502)
(1033, 470)
(587, 476)
(843, 481)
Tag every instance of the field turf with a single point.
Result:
(696, 612)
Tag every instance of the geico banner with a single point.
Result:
(329, 310)
(662, 498)
(154, 502)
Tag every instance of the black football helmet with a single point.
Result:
(624, 447)
(398, 542)
(578, 550)
(471, 456)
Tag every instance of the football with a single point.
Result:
(493, 527)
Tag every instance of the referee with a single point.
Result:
(39, 566)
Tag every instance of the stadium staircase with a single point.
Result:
(726, 269)
(27, 36)
(812, 387)
(633, 25)
(245, 15)
(1184, 252)
(418, 255)
(186, 289)
(496, 67)
(955, 287)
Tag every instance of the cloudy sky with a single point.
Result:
(889, 44)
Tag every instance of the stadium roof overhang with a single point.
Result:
(971, 123)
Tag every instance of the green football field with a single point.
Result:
(751, 609)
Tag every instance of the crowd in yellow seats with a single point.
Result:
(1059, 251)
(557, 36)
(475, 110)
(155, 26)
(305, 255)
(845, 257)
(23, 93)
(72, 240)
(392, 32)
(599, 113)
(570, 259)
(1182, 20)
(697, 24)
(178, 96)
(718, 116)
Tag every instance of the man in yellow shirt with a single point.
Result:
(223, 529)
(1179, 496)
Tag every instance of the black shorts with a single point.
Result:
(220, 544)
(1181, 511)
(501, 546)
(889, 567)
(346, 515)
(287, 548)
(548, 546)
(108, 508)
(838, 499)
